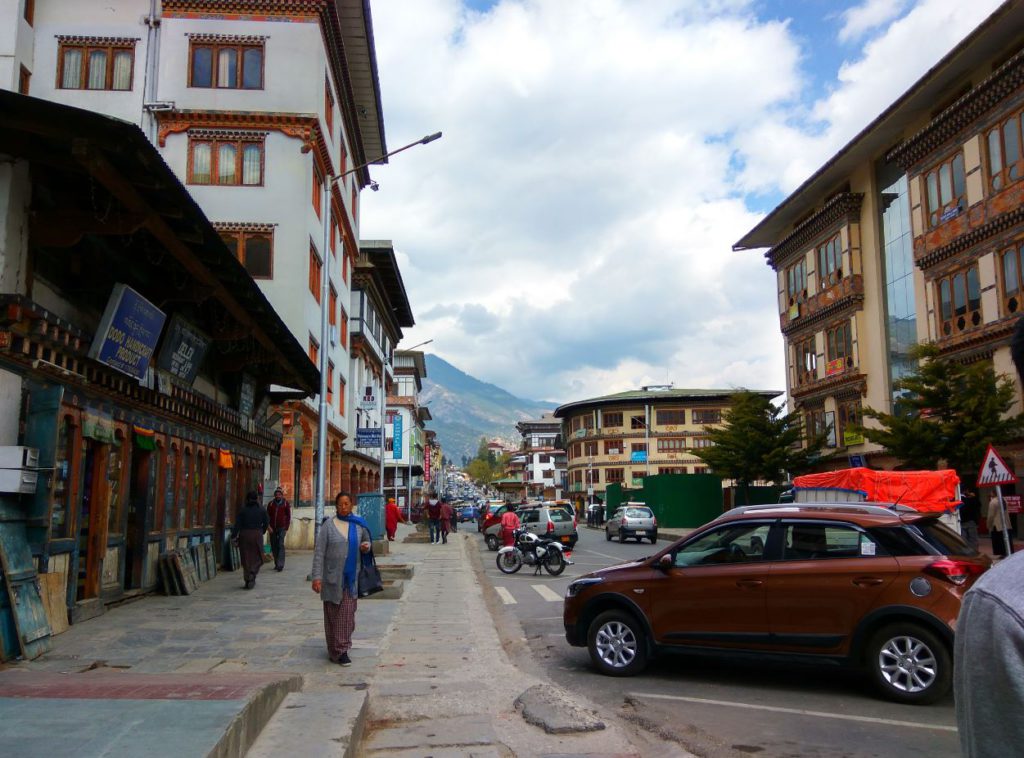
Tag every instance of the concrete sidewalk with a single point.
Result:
(229, 672)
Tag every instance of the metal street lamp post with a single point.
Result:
(325, 293)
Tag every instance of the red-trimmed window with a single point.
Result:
(226, 65)
(225, 161)
(255, 249)
(24, 78)
(29, 13)
(328, 107)
(344, 328)
(613, 447)
(314, 350)
(96, 64)
(341, 396)
(959, 296)
(318, 190)
(334, 234)
(613, 475)
(1005, 152)
(332, 306)
(946, 190)
(315, 272)
(330, 383)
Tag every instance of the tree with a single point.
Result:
(949, 413)
(757, 441)
(479, 471)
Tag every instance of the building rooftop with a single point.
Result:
(660, 395)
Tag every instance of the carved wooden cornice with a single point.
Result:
(302, 126)
(989, 94)
(244, 226)
(846, 384)
(228, 39)
(1003, 223)
(78, 39)
(971, 346)
(844, 207)
(845, 297)
(282, 9)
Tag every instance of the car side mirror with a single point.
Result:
(665, 562)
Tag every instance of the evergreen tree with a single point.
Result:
(948, 414)
(758, 441)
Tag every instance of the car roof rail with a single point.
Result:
(879, 508)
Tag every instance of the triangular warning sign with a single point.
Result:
(994, 470)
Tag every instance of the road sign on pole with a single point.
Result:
(994, 470)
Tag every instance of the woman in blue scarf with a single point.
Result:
(339, 542)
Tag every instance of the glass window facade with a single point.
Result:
(898, 273)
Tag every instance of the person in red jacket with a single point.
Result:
(509, 524)
(446, 520)
(279, 512)
(434, 520)
(392, 517)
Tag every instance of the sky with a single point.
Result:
(571, 234)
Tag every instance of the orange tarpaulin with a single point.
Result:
(930, 491)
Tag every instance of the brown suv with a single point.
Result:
(871, 586)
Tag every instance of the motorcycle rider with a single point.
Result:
(509, 524)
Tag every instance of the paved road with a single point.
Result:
(715, 707)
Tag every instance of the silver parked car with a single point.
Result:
(632, 520)
(550, 520)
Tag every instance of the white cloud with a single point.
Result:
(571, 233)
(869, 15)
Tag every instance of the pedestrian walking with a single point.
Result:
(509, 524)
(279, 513)
(336, 557)
(996, 527)
(970, 517)
(434, 521)
(446, 520)
(988, 669)
(392, 518)
(251, 524)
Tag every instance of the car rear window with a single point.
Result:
(557, 514)
(941, 537)
(639, 513)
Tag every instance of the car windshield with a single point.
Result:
(557, 514)
(638, 513)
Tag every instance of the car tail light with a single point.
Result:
(551, 527)
(953, 570)
(655, 520)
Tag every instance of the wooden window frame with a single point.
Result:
(215, 48)
(671, 469)
(243, 235)
(936, 216)
(999, 178)
(702, 442)
(610, 445)
(1012, 299)
(608, 418)
(28, 12)
(332, 306)
(314, 350)
(954, 322)
(796, 282)
(318, 190)
(215, 144)
(698, 415)
(805, 360)
(328, 106)
(316, 271)
(671, 444)
(614, 475)
(829, 257)
(110, 48)
(839, 343)
(848, 412)
(341, 396)
(637, 422)
(344, 328)
(24, 80)
(330, 383)
(669, 413)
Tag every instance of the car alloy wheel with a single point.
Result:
(909, 664)
(616, 644)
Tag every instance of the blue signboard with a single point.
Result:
(638, 456)
(857, 461)
(368, 437)
(128, 332)
(397, 445)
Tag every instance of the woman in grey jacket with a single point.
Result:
(339, 542)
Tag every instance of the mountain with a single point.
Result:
(464, 409)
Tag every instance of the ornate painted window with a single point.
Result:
(805, 358)
(671, 444)
(1013, 279)
(959, 301)
(613, 447)
(796, 283)
(611, 475)
(98, 63)
(839, 348)
(830, 263)
(226, 62)
(611, 419)
(707, 415)
(945, 190)
(850, 414)
(225, 158)
(253, 245)
(1005, 152)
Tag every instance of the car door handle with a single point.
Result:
(867, 581)
(749, 583)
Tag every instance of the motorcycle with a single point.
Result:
(531, 550)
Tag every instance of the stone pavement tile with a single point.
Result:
(198, 665)
(483, 751)
(312, 724)
(457, 731)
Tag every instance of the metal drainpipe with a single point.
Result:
(325, 301)
(149, 81)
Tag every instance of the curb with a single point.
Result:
(245, 728)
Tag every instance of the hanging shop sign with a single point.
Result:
(638, 456)
(397, 434)
(246, 396)
(835, 366)
(368, 437)
(426, 464)
(183, 350)
(128, 332)
(368, 402)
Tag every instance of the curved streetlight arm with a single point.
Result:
(422, 141)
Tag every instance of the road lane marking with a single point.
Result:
(505, 595)
(547, 593)
(796, 711)
(619, 558)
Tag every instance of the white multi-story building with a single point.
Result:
(256, 105)
(541, 457)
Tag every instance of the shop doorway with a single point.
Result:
(92, 519)
(135, 536)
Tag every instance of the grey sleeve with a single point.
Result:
(317, 572)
